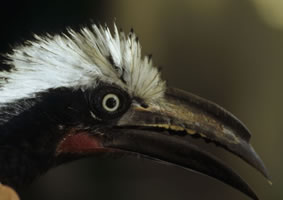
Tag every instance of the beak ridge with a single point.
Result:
(232, 135)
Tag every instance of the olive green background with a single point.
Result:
(228, 51)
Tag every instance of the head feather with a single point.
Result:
(80, 60)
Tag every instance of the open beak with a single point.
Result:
(162, 131)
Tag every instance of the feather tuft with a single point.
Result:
(79, 60)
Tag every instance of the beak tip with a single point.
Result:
(257, 163)
(267, 176)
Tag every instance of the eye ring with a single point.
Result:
(111, 102)
(108, 102)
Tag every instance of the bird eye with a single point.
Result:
(110, 102)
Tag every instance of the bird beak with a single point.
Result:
(164, 130)
(161, 131)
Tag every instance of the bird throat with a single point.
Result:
(80, 142)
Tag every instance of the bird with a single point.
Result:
(91, 92)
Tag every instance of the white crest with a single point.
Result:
(78, 60)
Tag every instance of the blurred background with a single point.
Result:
(228, 51)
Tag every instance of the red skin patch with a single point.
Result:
(80, 142)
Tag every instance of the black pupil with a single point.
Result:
(111, 102)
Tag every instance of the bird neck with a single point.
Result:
(17, 168)
(28, 140)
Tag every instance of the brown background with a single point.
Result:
(228, 51)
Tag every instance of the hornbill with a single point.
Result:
(91, 92)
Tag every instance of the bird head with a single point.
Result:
(92, 92)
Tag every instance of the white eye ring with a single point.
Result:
(113, 98)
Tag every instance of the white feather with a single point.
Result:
(77, 60)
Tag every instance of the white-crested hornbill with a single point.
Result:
(91, 92)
